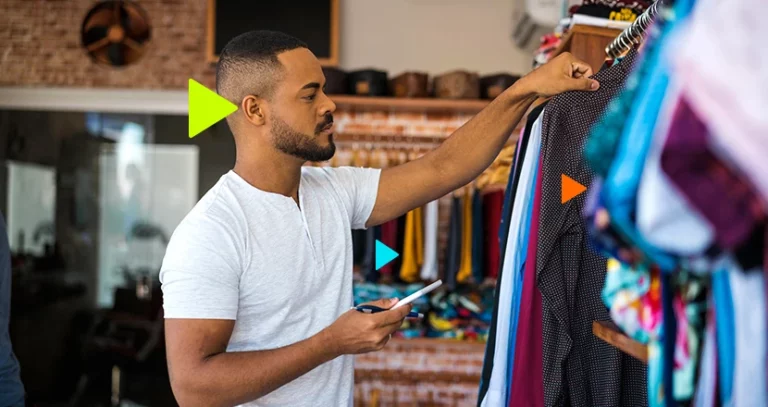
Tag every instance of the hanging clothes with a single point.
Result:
(389, 238)
(749, 376)
(509, 287)
(465, 269)
(527, 374)
(725, 329)
(492, 209)
(429, 268)
(725, 199)
(418, 224)
(409, 272)
(723, 36)
(397, 263)
(674, 226)
(358, 247)
(478, 238)
(579, 369)
(504, 227)
(453, 248)
(706, 388)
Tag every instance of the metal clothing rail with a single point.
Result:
(632, 34)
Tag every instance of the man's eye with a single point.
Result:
(310, 97)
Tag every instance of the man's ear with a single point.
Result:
(254, 109)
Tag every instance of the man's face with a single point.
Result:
(302, 117)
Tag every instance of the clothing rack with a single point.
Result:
(632, 34)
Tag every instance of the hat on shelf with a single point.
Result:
(336, 81)
(493, 85)
(368, 82)
(457, 84)
(410, 85)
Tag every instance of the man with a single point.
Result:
(11, 389)
(257, 279)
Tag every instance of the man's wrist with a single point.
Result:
(326, 345)
(524, 89)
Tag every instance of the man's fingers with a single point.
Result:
(393, 316)
(586, 84)
(383, 303)
(580, 69)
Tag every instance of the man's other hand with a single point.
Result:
(356, 332)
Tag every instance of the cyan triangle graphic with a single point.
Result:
(384, 254)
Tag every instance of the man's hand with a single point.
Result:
(356, 332)
(562, 74)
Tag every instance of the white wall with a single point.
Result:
(433, 36)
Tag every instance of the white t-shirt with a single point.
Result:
(282, 273)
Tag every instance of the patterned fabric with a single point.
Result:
(725, 199)
(579, 369)
(633, 296)
(690, 306)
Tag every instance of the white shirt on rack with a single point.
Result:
(498, 387)
(429, 268)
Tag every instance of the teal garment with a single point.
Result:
(690, 305)
(602, 143)
(620, 190)
(726, 331)
(655, 374)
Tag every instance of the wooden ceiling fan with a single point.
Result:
(115, 32)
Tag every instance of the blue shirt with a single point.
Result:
(11, 389)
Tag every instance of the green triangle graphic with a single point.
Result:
(206, 108)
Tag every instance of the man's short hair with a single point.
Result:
(248, 65)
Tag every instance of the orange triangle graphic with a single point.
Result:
(570, 188)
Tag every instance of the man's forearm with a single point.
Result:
(231, 378)
(474, 146)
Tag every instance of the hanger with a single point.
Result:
(632, 35)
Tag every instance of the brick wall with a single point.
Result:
(40, 45)
(420, 372)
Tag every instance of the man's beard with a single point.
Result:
(300, 145)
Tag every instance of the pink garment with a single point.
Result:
(527, 373)
(722, 64)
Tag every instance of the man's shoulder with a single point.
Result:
(339, 176)
(219, 210)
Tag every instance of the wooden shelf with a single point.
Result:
(359, 103)
(587, 43)
(609, 332)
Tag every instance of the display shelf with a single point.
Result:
(587, 43)
(610, 333)
(363, 103)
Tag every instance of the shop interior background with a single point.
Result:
(98, 170)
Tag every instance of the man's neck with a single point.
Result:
(277, 173)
